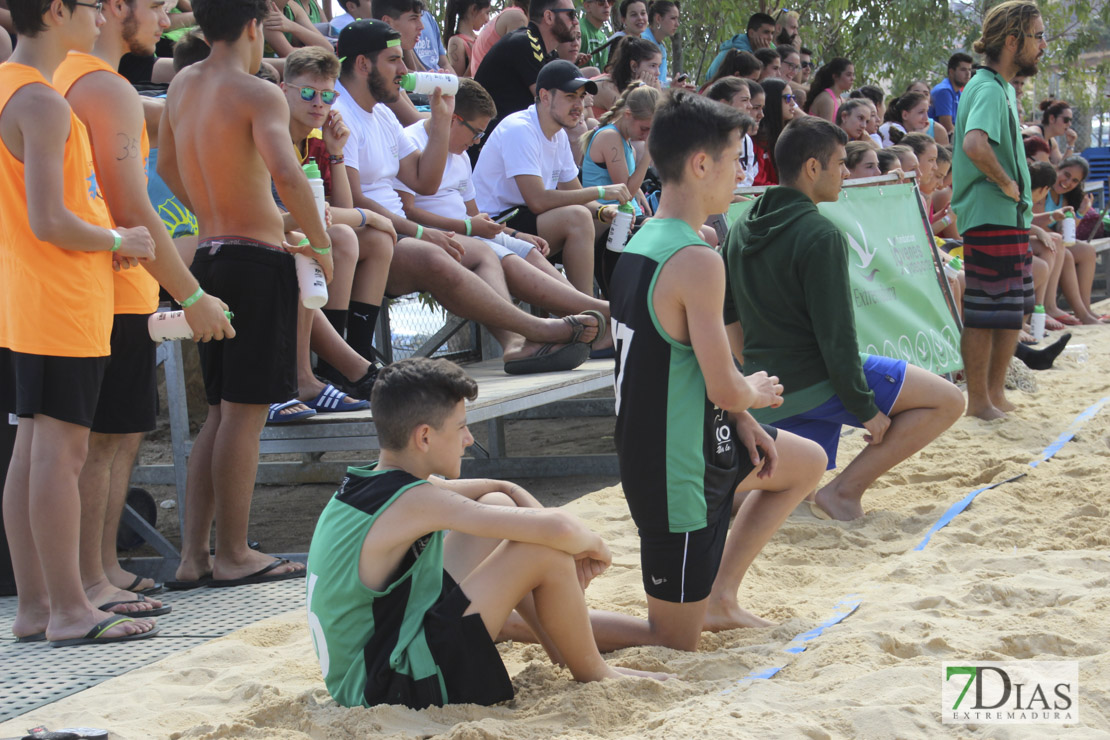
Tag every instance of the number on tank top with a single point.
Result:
(317, 629)
(622, 335)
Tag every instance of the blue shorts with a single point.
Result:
(822, 424)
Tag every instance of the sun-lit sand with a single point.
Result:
(1024, 573)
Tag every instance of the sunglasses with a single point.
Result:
(478, 133)
(1037, 36)
(1067, 120)
(569, 11)
(807, 65)
(96, 6)
(788, 98)
(308, 94)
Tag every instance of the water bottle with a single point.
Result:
(618, 230)
(1068, 229)
(425, 83)
(1037, 322)
(953, 266)
(310, 276)
(169, 325)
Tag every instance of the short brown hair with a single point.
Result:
(416, 391)
(1011, 18)
(472, 100)
(313, 61)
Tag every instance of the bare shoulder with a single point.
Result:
(38, 100)
(693, 271)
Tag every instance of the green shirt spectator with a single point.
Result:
(595, 12)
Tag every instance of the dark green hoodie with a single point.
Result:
(787, 270)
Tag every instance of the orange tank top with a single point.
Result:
(136, 289)
(56, 302)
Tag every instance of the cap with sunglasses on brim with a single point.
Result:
(366, 36)
(563, 75)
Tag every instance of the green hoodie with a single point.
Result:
(787, 272)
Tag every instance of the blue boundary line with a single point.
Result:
(1066, 436)
(844, 609)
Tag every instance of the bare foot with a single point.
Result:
(105, 593)
(726, 614)
(564, 328)
(70, 627)
(122, 579)
(223, 570)
(633, 673)
(1003, 404)
(839, 506)
(30, 619)
(308, 391)
(188, 570)
(985, 411)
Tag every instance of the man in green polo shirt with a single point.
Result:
(594, 24)
(992, 198)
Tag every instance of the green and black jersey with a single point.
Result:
(677, 455)
(371, 644)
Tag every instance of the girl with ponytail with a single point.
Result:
(464, 18)
(609, 157)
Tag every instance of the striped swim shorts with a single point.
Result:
(998, 266)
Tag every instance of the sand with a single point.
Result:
(1022, 574)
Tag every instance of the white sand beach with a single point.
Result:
(1022, 574)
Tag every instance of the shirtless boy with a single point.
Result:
(685, 439)
(401, 613)
(57, 249)
(112, 111)
(220, 118)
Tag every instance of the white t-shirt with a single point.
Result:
(376, 148)
(456, 187)
(750, 162)
(518, 147)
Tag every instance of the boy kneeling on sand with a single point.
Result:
(402, 612)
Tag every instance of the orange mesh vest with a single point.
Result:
(54, 302)
(136, 289)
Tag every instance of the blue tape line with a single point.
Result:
(844, 609)
(1049, 451)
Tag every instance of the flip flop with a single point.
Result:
(577, 327)
(36, 637)
(95, 636)
(157, 588)
(331, 400)
(1052, 324)
(567, 357)
(156, 612)
(1068, 320)
(276, 417)
(189, 585)
(259, 576)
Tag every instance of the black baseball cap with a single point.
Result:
(563, 75)
(365, 36)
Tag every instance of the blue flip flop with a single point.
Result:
(332, 399)
(276, 417)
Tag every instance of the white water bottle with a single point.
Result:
(310, 276)
(1068, 229)
(1037, 322)
(425, 83)
(621, 226)
(169, 325)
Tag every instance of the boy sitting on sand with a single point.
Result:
(681, 401)
(402, 613)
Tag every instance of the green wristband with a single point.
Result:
(419, 231)
(117, 240)
(467, 222)
(193, 298)
(600, 192)
(325, 250)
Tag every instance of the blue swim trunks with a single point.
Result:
(822, 424)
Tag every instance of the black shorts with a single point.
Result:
(472, 668)
(680, 567)
(524, 220)
(63, 388)
(258, 282)
(128, 400)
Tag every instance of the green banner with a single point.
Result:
(900, 309)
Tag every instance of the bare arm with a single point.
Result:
(977, 147)
(474, 488)
(607, 148)
(947, 122)
(457, 56)
(540, 200)
(735, 334)
(116, 133)
(940, 133)
(423, 171)
(168, 168)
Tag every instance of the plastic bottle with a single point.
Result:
(169, 325)
(1037, 322)
(953, 266)
(425, 83)
(1067, 228)
(618, 230)
(310, 276)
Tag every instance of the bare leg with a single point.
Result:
(926, 406)
(58, 452)
(375, 252)
(569, 230)
(33, 606)
(764, 509)
(344, 249)
(1041, 272)
(199, 503)
(94, 484)
(977, 348)
(1085, 258)
(331, 347)
(537, 260)
(1003, 343)
(421, 266)
(118, 486)
(311, 323)
(234, 466)
(538, 288)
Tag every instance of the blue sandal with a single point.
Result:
(276, 417)
(332, 399)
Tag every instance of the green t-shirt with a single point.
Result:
(989, 104)
(593, 38)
